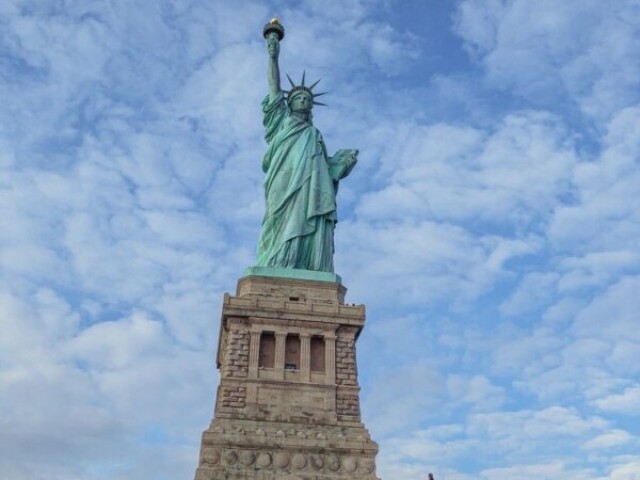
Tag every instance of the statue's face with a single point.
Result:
(301, 102)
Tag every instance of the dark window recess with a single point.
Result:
(267, 354)
(317, 354)
(292, 351)
(290, 366)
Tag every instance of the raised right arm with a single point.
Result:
(273, 74)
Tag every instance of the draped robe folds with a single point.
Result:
(300, 190)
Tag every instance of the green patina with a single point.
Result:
(292, 273)
(301, 179)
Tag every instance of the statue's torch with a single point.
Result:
(274, 26)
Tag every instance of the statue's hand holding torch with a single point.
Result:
(273, 32)
(273, 46)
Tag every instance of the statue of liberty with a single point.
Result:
(301, 180)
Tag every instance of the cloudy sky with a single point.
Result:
(492, 226)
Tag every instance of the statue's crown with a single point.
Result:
(295, 89)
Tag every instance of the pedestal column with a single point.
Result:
(254, 354)
(330, 358)
(278, 366)
(305, 357)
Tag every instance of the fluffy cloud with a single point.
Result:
(549, 50)
(626, 402)
(511, 435)
(609, 440)
(604, 215)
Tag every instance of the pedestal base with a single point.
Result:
(288, 402)
(269, 451)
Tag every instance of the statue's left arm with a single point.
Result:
(341, 164)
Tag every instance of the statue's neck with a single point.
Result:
(301, 116)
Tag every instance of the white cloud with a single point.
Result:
(614, 314)
(504, 443)
(85, 392)
(415, 262)
(611, 439)
(477, 392)
(396, 409)
(627, 471)
(118, 344)
(511, 428)
(627, 402)
(548, 50)
(604, 216)
(597, 268)
(508, 176)
(534, 351)
(534, 290)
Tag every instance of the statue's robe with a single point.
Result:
(300, 190)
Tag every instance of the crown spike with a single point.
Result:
(304, 72)
(290, 81)
(319, 94)
(319, 103)
(317, 82)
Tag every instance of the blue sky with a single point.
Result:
(491, 227)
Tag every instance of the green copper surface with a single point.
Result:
(293, 273)
(301, 179)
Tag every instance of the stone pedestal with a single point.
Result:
(288, 402)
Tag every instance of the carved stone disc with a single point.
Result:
(281, 460)
(247, 458)
(264, 460)
(299, 461)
